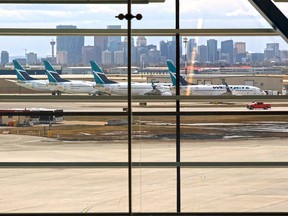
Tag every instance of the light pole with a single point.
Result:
(185, 41)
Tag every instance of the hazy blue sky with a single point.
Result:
(194, 14)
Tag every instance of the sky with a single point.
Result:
(194, 14)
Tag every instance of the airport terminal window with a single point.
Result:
(192, 151)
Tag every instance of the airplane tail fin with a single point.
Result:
(99, 76)
(52, 74)
(172, 71)
(21, 74)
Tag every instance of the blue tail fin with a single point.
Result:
(172, 72)
(99, 76)
(52, 74)
(21, 73)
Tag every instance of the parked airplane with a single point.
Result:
(190, 89)
(112, 87)
(68, 86)
(26, 81)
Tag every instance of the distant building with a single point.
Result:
(31, 58)
(119, 57)
(88, 54)
(141, 41)
(153, 57)
(62, 57)
(212, 50)
(71, 44)
(100, 44)
(240, 54)
(191, 50)
(106, 57)
(202, 54)
(164, 49)
(114, 41)
(272, 52)
(21, 61)
(227, 51)
(4, 57)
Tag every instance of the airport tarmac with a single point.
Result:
(154, 189)
(151, 106)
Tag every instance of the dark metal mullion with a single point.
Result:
(102, 165)
(178, 129)
(129, 5)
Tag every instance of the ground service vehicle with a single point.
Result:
(258, 105)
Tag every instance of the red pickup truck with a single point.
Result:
(258, 105)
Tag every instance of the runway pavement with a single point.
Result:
(154, 189)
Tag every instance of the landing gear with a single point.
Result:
(56, 93)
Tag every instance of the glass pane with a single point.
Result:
(220, 14)
(63, 190)
(51, 15)
(62, 138)
(154, 136)
(237, 61)
(153, 18)
(234, 190)
(154, 190)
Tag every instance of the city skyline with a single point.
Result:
(220, 50)
(223, 14)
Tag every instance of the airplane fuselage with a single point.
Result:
(37, 85)
(136, 88)
(220, 90)
(75, 87)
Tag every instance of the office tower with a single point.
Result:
(212, 50)
(4, 57)
(88, 54)
(227, 51)
(71, 44)
(202, 54)
(106, 57)
(119, 57)
(164, 49)
(191, 50)
(100, 44)
(240, 47)
(114, 41)
(141, 41)
(172, 51)
(31, 58)
(153, 57)
(271, 51)
(62, 57)
(240, 51)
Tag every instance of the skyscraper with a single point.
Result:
(4, 57)
(141, 41)
(212, 50)
(271, 51)
(100, 44)
(202, 54)
(71, 44)
(114, 41)
(227, 50)
(88, 54)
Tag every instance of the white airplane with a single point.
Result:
(68, 86)
(111, 87)
(190, 89)
(26, 81)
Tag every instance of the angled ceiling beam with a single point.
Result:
(78, 1)
(273, 16)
